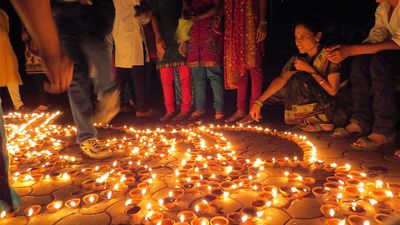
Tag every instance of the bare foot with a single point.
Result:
(353, 128)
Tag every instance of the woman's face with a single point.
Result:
(306, 40)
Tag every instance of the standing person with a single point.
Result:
(35, 68)
(245, 32)
(37, 16)
(131, 53)
(85, 28)
(166, 14)
(375, 68)
(8, 64)
(205, 57)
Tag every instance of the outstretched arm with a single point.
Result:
(37, 17)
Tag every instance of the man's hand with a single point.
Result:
(302, 65)
(338, 53)
(59, 72)
(261, 32)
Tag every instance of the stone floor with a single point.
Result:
(248, 144)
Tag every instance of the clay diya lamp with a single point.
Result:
(217, 192)
(266, 196)
(356, 220)
(134, 212)
(143, 185)
(282, 162)
(106, 195)
(287, 191)
(136, 194)
(355, 209)
(73, 203)
(384, 207)
(170, 201)
(256, 186)
(99, 186)
(320, 192)
(342, 176)
(328, 210)
(72, 173)
(189, 187)
(394, 187)
(222, 177)
(55, 176)
(186, 216)
(88, 184)
(200, 221)
(333, 188)
(379, 195)
(211, 199)
(259, 204)
(54, 206)
(332, 179)
(226, 186)
(355, 174)
(234, 218)
(352, 191)
(181, 223)
(130, 180)
(270, 189)
(293, 178)
(303, 190)
(250, 212)
(202, 207)
(219, 220)
(382, 219)
(234, 175)
(33, 210)
(90, 199)
(352, 182)
(87, 171)
(155, 217)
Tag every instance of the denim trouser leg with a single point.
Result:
(200, 87)
(8, 197)
(216, 76)
(384, 68)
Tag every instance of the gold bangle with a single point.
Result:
(322, 81)
(259, 103)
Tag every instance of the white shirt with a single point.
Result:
(128, 34)
(385, 28)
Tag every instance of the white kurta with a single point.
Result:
(385, 28)
(128, 34)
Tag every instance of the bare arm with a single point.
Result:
(276, 85)
(330, 85)
(369, 48)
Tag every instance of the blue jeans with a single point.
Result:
(216, 77)
(8, 197)
(74, 23)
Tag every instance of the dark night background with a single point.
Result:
(345, 21)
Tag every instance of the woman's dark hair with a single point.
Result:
(310, 23)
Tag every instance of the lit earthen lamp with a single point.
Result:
(382, 219)
(73, 203)
(200, 221)
(334, 221)
(90, 199)
(234, 217)
(356, 209)
(219, 220)
(155, 217)
(54, 206)
(357, 220)
(33, 210)
(186, 216)
(328, 210)
(170, 201)
(134, 212)
(166, 222)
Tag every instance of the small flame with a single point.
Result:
(128, 202)
(343, 222)
(182, 218)
(109, 195)
(57, 205)
(30, 212)
(3, 214)
(332, 212)
(91, 199)
(244, 218)
(170, 194)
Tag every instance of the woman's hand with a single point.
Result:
(255, 112)
(161, 47)
(261, 32)
(183, 48)
(338, 53)
(217, 26)
(59, 72)
(302, 65)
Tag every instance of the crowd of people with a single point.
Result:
(105, 46)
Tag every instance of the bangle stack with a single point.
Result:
(259, 103)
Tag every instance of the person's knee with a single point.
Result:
(378, 66)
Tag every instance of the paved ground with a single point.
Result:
(165, 152)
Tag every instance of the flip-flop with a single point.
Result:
(315, 127)
(371, 146)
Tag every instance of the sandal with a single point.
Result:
(316, 127)
(342, 133)
(235, 117)
(367, 144)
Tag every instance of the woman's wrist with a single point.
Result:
(259, 103)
